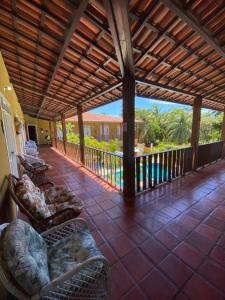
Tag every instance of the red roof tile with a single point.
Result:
(90, 117)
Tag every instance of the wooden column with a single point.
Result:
(119, 23)
(223, 135)
(64, 132)
(196, 130)
(55, 133)
(81, 132)
(128, 136)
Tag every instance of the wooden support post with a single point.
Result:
(128, 136)
(119, 23)
(196, 130)
(55, 133)
(81, 133)
(64, 132)
(223, 135)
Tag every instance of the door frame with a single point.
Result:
(34, 125)
(12, 137)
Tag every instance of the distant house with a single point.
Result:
(103, 127)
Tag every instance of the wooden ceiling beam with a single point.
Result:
(194, 23)
(163, 87)
(102, 92)
(43, 94)
(78, 12)
(118, 19)
(41, 116)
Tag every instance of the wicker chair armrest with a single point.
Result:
(59, 217)
(44, 185)
(40, 169)
(62, 230)
(66, 282)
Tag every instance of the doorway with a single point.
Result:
(9, 133)
(32, 132)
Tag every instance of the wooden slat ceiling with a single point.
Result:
(61, 53)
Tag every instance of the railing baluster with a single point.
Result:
(155, 165)
(144, 167)
(150, 171)
(173, 163)
(170, 165)
(138, 174)
(178, 163)
(165, 172)
(160, 167)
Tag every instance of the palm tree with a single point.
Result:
(179, 127)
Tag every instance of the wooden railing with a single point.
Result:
(60, 146)
(106, 165)
(209, 153)
(151, 169)
(157, 168)
(73, 151)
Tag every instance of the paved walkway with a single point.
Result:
(170, 244)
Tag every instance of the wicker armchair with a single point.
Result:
(79, 271)
(39, 222)
(37, 171)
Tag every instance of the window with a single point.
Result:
(106, 130)
(87, 130)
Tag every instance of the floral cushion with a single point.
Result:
(67, 253)
(25, 254)
(32, 198)
(60, 198)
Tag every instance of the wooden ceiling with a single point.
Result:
(60, 54)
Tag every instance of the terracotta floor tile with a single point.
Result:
(137, 264)
(214, 273)
(218, 254)
(157, 286)
(154, 250)
(209, 232)
(122, 245)
(110, 230)
(166, 238)
(199, 289)
(181, 296)
(134, 294)
(175, 269)
(109, 253)
(114, 212)
(215, 223)
(137, 234)
(151, 225)
(199, 242)
(94, 210)
(177, 230)
(98, 237)
(107, 204)
(189, 254)
(121, 281)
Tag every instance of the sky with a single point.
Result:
(115, 108)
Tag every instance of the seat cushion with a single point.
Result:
(60, 198)
(25, 254)
(32, 198)
(65, 254)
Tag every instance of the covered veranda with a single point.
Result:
(68, 57)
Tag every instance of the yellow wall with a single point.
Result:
(16, 111)
(7, 206)
(96, 131)
(40, 123)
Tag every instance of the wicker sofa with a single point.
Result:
(61, 263)
(44, 209)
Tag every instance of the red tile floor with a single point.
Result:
(169, 244)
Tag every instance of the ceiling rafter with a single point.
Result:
(194, 23)
(120, 29)
(68, 35)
